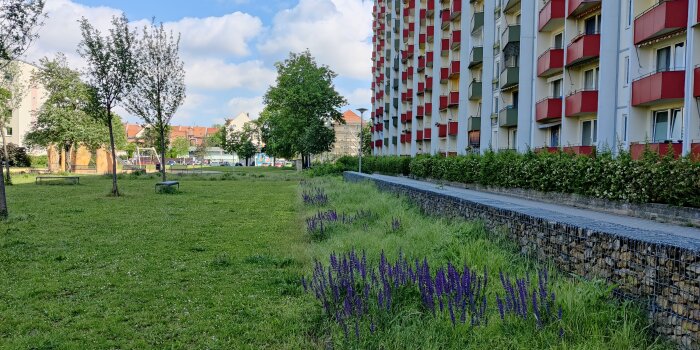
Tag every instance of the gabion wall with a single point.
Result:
(663, 277)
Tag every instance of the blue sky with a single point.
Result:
(230, 46)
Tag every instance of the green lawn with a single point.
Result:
(218, 266)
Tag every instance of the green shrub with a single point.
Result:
(18, 156)
(39, 161)
(651, 179)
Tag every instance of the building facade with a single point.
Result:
(23, 116)
(457, 76)
(347, 136)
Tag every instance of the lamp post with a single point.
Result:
(362, 116)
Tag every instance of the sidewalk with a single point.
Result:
(631, 227)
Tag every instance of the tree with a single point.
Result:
(152, 138)
(160, 87)
(241, 142)
(366, 137)
(111, 73)
(180, 147)
(300, 108)
(12, 92)
(64, 119)
(19, 20)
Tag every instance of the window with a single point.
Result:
(629, 13)
(554, 136)
(8, 131)
(663, 59)
(590, 79)
(513, 138)
(592, 25)
(495, 104)
(679, 56)
(556, 88)
(627, 70)
(515, 99)
(589, 132)
(559, 41)
(667, 125)
(624, 128)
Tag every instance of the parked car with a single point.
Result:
(225, 164)
(172, 162)
(238, 164)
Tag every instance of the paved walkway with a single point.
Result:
(626, 226)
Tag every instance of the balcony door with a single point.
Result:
(559, 41)
(554, 133)
(590, 79)
(556, 88)
(670, 58)
(591, 25)
(589, 132)
(667, 125)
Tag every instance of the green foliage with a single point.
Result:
(651, 179)
(18, 156)
(179, 148)
(299, 108)
(39, 161)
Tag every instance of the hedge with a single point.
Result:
(651, 179)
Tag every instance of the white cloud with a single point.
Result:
(337, 32)
(215, 74)
(252, 105)
(358, 98)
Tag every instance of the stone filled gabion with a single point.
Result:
(665, 278)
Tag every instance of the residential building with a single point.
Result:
(35, 95)
(196, 135)
(347, 136)
(456, 76)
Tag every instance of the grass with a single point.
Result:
(218, 265)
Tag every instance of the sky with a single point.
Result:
(229, 47)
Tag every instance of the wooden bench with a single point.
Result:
(167, 184)
(85, 169)
(74, 180)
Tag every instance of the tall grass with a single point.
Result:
(591, 318)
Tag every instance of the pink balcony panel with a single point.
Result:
(548, 109)
(581, 103)
(658, 88)
(665, 17)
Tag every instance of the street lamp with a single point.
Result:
(362, 116)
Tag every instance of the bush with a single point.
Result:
(651, 179)
(39, 161)
(18, 156)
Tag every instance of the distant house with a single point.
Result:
(347, 136)
(194, 134)
(21, 121)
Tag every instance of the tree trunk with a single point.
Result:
(246, 161)
(3, 200)
(115, 189)
(7, 178)
(162, 151)
(68, 158)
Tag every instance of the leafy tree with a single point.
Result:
(200, 152)
(180, 147)
(241, 142)
(18, 156)
(64, 118)
(111, 68)
(300, 108)
(151, 138)
(366, 136)
(19, 21)
(12, 92)
(160, 87)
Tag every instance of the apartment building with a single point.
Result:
(457, 76)
(20, 122)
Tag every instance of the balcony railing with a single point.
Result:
(665, 17)
(444, 102)
(428, 108)
(453, 99)
(578, 7)
(474, 124)
(442, 130)
(658, 87)
(444, 75)
(429, 58)
(510, 5)
(510, 36)
(476, 56)
(552, 15)
(456, 10)
(551, 62)
(583, 48)
(444, 47)
(454, 69)
(582, 102)
(456, 39)
(475, 91)
(428, 83)
(509, 77)
(508, 116)
(696, 82)
(548, 109)
(453, 128)
(477, 21)
(664, 148)
(445, 18)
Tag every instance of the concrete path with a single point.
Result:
(626, 226)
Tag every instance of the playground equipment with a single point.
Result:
(146, 156)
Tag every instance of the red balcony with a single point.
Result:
(420, 112)
(662, 149)
(580, 150)
(404, 97)
(371, 129)
(453, 128)
(454, 99)
(658, 88)
(454, 69)
(423, 14)
(421, 88)
(429, 59)
(548, 109)
(442, 130)
(456, 39)
(429, 108)
(582, 102)
(551, 62)
(421, 40)
(421, 63)
(402, 138)
(427, 133)
(411, 50)
(578, 7)
(663, 18)
(583, 48)
(403, 117)
(409, 116)
(552, 15)
(696, 80)
(419, 135)
(378, 143)
(404, 76)
(695, 152)
(444, 100)
(410, 73)
(445, 47)
(444, 75)
(428, 83)
(409, 95)
(456, 9)
(405, 34)
(445, 17)
(430, 31)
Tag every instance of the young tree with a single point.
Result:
(160, 87)
(13, 92)
(366, 137)
(19, 20)
(64, 118)
(111, 73)
(300, 108)
(180, 147)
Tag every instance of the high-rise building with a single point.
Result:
(455, 76)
